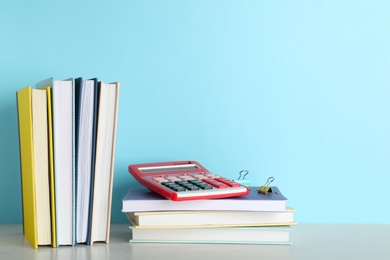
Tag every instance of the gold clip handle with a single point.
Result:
(266, 188)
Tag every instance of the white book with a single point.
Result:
(64, 168)
(215, 218)
(219, 235)
(104, 165)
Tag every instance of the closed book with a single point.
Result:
(217, 235)
(93, 158)
(104, 162)
(34, 161)
(63, 127)
(85, 134)
(51, 166)
(142, 199)
(172, 219)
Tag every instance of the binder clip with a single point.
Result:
(266, 188)
(243, 181)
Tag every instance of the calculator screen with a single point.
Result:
(169, 168)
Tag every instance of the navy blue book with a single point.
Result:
(142, 199)
(85, 95)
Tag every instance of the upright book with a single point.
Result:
(86, 113)
(51, 166)
(34, 161)
(104, 162)
(141, 199)
(63, 118)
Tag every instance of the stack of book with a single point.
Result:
(252, 219)
(67, 132)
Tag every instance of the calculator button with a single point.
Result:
(173, 186)
(159, 179)
(211, 175)
(201, 184)
(216, 184)
(173, 178)
(167, 184)
(190, 186)
(205, 186)
(196, 182)
(193, 187)
(185, 177)
(219, 185)
(200, 176)
(228, 182)
(178, 188)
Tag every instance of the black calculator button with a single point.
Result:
(165, 183)
(173, 186)
(178, 188)
(201, 184)
(195, 182)
(205, 187)
(192, 187)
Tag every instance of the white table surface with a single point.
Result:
(309, 241)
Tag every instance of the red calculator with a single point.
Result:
(185, 180)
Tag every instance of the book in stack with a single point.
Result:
(67, 132)
(255, 218)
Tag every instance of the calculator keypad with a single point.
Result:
(200, 181)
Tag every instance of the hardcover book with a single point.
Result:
(142, 199)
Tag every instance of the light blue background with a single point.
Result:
(299, 90)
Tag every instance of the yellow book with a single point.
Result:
(34, 163)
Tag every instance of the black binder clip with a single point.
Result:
(242, 174)
(266, 188)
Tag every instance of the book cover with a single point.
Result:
(84, 95)
(34, 163)
(142, 199)
(93, 159)
(104, 166)
(27, 165)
